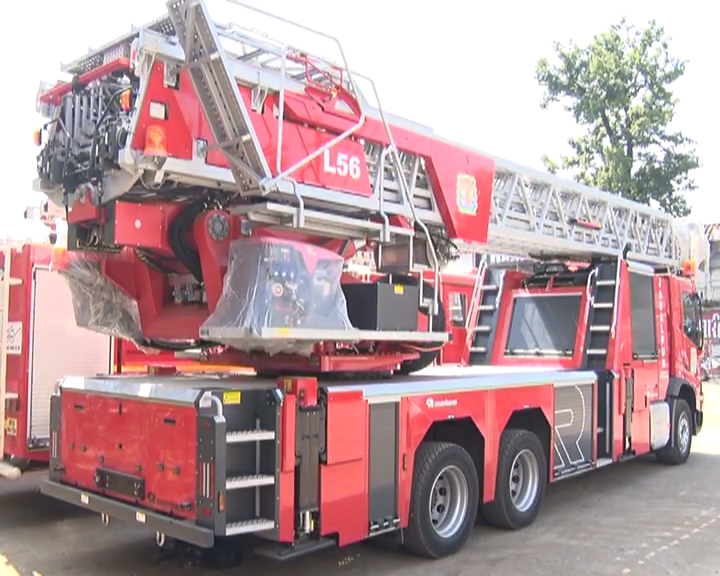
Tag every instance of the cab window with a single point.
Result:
(692, 318)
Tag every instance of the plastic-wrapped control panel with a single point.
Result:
(98, 303)
(272, 283)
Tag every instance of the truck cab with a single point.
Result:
(625, 320)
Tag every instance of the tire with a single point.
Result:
(678, 450)
(516, 506)
(442, 472)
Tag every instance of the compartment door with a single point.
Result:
(59, 347)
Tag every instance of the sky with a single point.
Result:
(467, 72)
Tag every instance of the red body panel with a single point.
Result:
(343, 480)
(456, 351)
(343, 484)
(465, 208)
(152, 440)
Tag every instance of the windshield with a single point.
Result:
(543, 325)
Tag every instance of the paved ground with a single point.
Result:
(639, 518)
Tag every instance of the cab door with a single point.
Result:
(692, 344)
(642, 367)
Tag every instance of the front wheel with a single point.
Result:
(678, 450)
(444, 500)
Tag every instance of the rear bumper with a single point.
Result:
(172, 527)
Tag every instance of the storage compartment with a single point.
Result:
(380, 306)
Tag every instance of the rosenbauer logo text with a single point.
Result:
(444, 403)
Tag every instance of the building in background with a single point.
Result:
(709, 283)
(709, 287)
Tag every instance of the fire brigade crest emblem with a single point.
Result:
(466, 194)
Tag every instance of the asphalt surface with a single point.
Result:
(635, 518)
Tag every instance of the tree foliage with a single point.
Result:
(618, 89)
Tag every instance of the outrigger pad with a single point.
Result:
(272, 283)
(98, 303)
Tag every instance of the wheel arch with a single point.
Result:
(679, 388)
(534, 420)
(464, 433)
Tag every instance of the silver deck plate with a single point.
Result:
(244, 337)
(186, 389)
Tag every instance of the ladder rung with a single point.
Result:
(249, 481)
(12, 281)
(249, 436)
(609, 282)
(478, 349)
(483, 328)
(603, 305)
(600, 328)
(486, 307)
(489, 287)
(248, 526)
(278, 214)
(597, 351)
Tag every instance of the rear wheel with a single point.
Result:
(444, 500)
(681, 433)
(521, 481)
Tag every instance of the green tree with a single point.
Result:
(618, 89)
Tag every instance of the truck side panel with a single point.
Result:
(125, 439)
(340, 457)
(344, 476)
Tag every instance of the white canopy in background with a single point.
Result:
(30, 230)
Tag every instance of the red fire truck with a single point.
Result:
(217, 182)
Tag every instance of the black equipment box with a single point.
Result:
(380, 306)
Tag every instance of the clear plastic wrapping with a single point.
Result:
(273, 283)
(99, 304)
(692, 243)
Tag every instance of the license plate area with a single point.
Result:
(121, 483)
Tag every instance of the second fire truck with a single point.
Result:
(217, 181)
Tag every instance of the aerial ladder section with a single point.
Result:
(533, 213)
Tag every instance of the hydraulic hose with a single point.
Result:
(177, 238)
